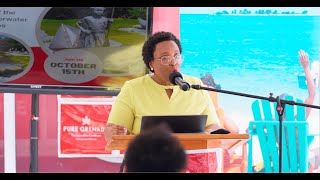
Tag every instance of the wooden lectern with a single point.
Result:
(215, 142)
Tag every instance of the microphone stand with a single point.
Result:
(34, 134)
(280, 109)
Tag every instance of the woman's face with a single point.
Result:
(161, 71)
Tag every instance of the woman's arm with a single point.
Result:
(304, 61)
(121, 117)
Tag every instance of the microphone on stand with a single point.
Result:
(177, 79)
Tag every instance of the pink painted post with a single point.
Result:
(166, 19)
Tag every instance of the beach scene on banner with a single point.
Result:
(253, 51)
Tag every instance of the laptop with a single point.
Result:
(177, 123)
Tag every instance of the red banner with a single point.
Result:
(81, 123)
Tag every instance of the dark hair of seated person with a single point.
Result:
(155, 150)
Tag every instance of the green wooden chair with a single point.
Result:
(295, 136)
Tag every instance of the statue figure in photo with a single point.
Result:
(93, 28)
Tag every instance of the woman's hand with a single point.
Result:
(304, 59)
(113, 129)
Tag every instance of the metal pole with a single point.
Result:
(280, 111)
(34, 133)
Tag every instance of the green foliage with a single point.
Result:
(21, 60)
(126, 38)
(51, 26)
(135, 13)
(15, 44)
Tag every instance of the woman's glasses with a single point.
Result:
(166, 60)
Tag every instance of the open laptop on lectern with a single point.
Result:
(177, 123)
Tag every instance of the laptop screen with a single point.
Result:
(177, 123)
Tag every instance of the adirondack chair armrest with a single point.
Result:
(311, 138)
(238, 162)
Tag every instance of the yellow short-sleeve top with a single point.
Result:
(143, 96)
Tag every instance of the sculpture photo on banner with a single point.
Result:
(97, 47)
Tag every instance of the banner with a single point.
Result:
(255, 50)
(79, 46)
(81, 124)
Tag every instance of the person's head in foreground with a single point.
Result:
(155, 150)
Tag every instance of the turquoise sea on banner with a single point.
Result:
(249, 54)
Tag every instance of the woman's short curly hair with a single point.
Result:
(150, 45)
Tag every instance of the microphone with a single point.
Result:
(177, 79)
